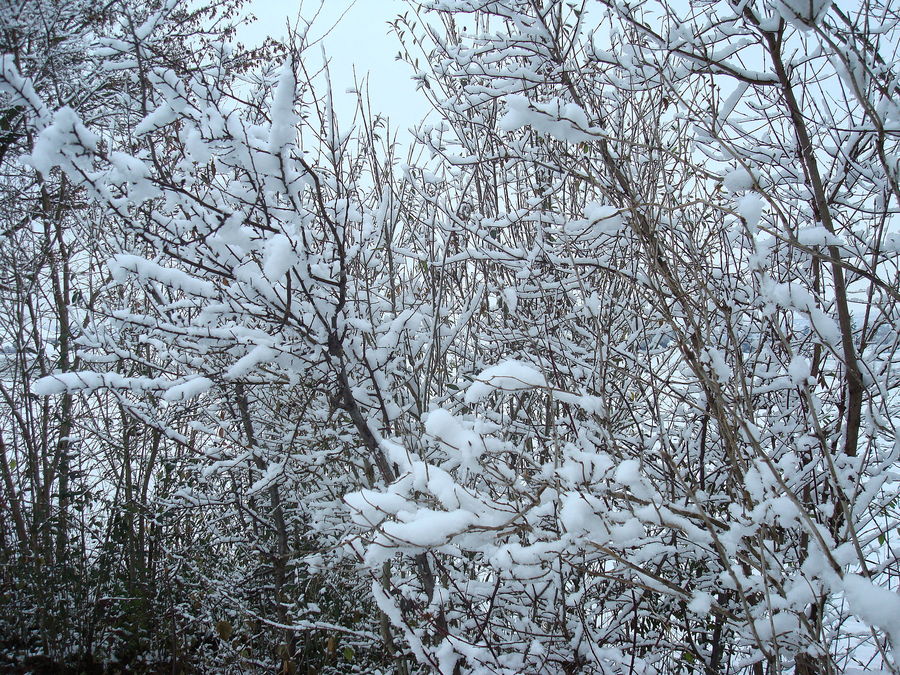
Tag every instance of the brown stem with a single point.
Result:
(854, 383)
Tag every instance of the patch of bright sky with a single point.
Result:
(358, 43)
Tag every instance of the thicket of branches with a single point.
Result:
(599, 375)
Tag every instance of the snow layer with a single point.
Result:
(558, 119)
(189, 389)
(700, 603)
(122, 264)
(61, 383)
(63, 140)
(429, 528)
(750, 207)
(737, 180)
(505, 376)
(279, 257)
(875, 605)
(257, 355)
(817, 236)
(802, 14)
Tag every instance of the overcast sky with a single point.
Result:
(361, 39)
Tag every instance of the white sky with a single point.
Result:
(362, 39)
